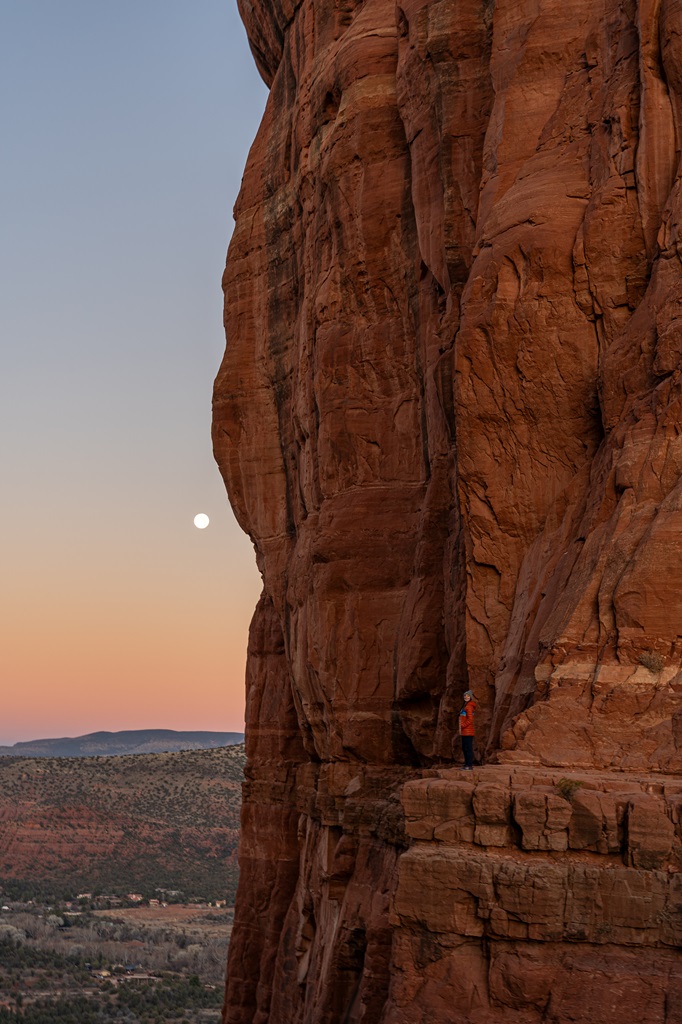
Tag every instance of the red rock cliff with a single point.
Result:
(449, 418)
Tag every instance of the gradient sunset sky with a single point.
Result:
(126, 127)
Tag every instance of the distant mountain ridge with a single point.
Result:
(114, 744)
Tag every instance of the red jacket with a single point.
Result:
(466, 725)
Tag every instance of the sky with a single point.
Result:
(125, 130)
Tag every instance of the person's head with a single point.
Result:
(468, 695)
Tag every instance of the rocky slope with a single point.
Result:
(122, 823)
(448, 417)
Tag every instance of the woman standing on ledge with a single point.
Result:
(467, 731)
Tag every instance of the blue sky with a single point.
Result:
(125, 132)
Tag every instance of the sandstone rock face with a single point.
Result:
(540, 937)
(449, 418)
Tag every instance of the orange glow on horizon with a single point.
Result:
(124, 645)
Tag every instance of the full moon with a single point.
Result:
(201, 521)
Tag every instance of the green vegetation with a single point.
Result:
(75, 1010)
(16, 957)
(42, 986)
(567, 787)
(182, 940)
(169, 999)
(34, 890)
(168, 996)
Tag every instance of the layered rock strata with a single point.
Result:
(528, 897)
(449, 418)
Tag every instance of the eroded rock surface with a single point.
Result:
(449, 418)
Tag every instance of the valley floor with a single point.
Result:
(136, 965)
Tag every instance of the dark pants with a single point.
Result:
(468, 751)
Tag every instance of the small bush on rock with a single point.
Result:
(651, 660)
(567, 787)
